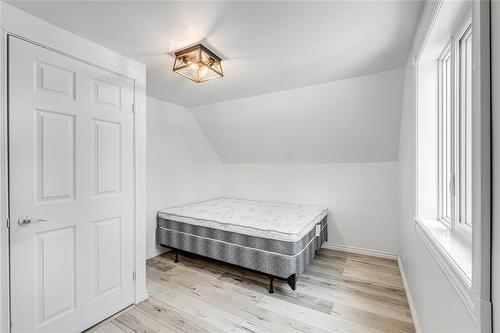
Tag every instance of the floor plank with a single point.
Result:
(339, 292)
(371, 319)
(136, 321)
(177, 319)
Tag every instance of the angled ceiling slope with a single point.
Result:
(352, 120)
(266, 46)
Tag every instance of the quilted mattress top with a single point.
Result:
(280, 221)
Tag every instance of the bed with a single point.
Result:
(276, 239)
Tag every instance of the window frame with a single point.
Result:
(464, 205)
(442, 144)
(453, 188)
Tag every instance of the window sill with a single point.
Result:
(453, 253)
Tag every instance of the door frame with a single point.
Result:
(17, 23)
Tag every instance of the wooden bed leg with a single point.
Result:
(176, 256)
(291, 281)
(271, 286)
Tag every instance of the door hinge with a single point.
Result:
(8, 223)
(133, 107)
(133, 276)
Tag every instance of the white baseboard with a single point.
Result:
(409, 297)
(155, 252)
(359, 250)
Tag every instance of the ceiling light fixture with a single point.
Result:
(198, 64)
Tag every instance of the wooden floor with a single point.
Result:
(339, 292)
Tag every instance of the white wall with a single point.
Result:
(351, 120)
(361, 197)
(182, 166)
(438, 306)
(333, 144)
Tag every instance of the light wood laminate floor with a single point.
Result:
(339, 292)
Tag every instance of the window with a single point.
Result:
(451, 89)
(444, 147)
(454, 130)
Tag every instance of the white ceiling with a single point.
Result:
(266, 46)
(352, 120)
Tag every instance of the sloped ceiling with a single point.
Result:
(352, 120)
(267, 46)
(304, 81)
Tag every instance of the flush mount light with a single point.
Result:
(198, 64)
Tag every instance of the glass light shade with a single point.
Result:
(198, 64)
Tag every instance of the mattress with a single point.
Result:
(262, 219)
(272, 238)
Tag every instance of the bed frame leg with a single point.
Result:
(291, 281)
(176, 256)
(271, 286)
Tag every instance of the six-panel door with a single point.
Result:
(71, 183)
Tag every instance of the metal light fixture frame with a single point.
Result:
(197, 63)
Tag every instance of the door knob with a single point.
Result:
(25, 220)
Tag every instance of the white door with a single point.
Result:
(71, 191)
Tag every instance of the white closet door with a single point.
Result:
(71, 191)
